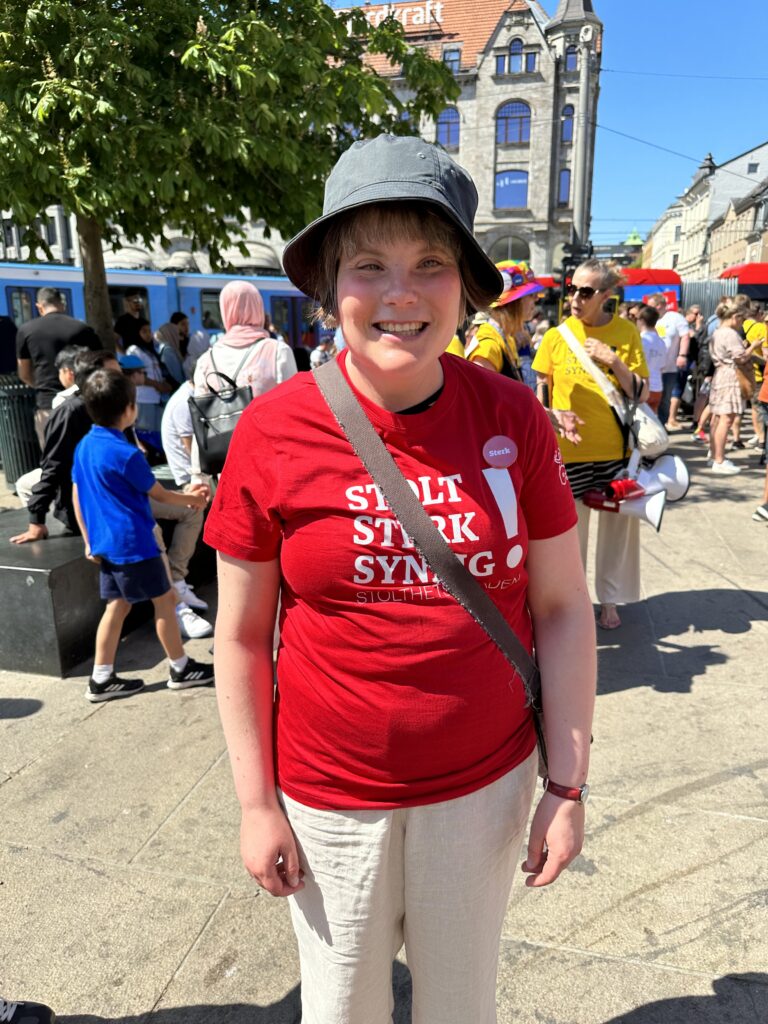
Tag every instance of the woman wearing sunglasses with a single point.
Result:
(614, 344)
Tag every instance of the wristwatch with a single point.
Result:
(578, 793)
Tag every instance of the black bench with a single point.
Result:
(50, 605)
(49, 597)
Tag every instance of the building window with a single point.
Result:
(516, 56)
(50, 231)
(566, 124)
(678, 232)
(530, 62)
(675, 259)
(513, 124)
(511, 190)
(564, 188)
(510, 247)
(752, 168)
(67, 233)
(501, 63)
(452, 58)
(8, 233)
(448, 129)
(571, 59)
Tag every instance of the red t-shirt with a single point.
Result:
(389, 694)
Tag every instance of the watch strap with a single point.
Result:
(576, 793)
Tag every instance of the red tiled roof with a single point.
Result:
(437, 24)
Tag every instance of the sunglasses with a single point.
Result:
(585, 292)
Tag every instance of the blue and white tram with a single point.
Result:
(197, 295)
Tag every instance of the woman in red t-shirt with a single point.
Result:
(385, 788)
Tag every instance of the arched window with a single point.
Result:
(571, 59)
(566, 124)
(564, 188)
(516, 56)
(513, 124)
(511, 192)
(509, 247)
(448, 128)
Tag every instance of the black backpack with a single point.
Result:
(215, 415)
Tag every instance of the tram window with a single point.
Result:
(279, 314)
(308, 326)
(20, 304)
(118, 301)
(210, 312)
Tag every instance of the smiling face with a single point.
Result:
(399, 300)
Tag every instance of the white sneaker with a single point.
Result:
(188, 596)
(191, 626)
(725, 468)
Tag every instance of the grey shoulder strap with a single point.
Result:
(410, 513)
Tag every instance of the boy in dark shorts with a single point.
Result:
(112, 483)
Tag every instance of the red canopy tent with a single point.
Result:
(748, 273)
(650, 275)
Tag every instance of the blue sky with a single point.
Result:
(724, 111)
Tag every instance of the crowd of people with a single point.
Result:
(396, 716)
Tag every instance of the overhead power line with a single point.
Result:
(673, 152)
(669, 74)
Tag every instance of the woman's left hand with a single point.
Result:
(566, 424)
(600, 352)
(557, 835)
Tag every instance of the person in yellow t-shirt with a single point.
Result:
(754, 330)
(614, 344)
(499, 343)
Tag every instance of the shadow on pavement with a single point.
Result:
(19, 707)
(737, 999)
(287, 1011)
(639, 653)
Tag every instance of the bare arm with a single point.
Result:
(248, 593)
(25, 371)
(564, 627)
(480, 361)
(81, 524)
(196, 496)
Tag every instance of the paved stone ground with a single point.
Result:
(122, 897)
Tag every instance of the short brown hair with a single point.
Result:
(386, 222)
(648, 315)
(107, 394)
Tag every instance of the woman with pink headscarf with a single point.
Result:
(245, 353)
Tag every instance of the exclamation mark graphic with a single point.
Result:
(500, 453)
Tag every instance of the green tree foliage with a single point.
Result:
(141, 114)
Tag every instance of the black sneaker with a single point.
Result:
(26, 1013)
(194, 673)
(113, 688)
(760, 515)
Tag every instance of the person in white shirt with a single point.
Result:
(655, 351)
(64, 363)
(676, 333)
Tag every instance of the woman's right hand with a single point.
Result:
(269, 851)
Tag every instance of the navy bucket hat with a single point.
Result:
(394, 168)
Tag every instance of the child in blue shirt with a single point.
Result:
(112, 483)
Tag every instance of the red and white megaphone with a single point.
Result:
(634, 502)
(667, 473)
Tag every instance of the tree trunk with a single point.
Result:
(98, 311)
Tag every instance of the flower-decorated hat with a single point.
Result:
(518, 281)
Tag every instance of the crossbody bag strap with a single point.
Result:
(410, 513)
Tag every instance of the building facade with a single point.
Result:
(515, 126)
(665, 240)
(712, 189)
(740, 235)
